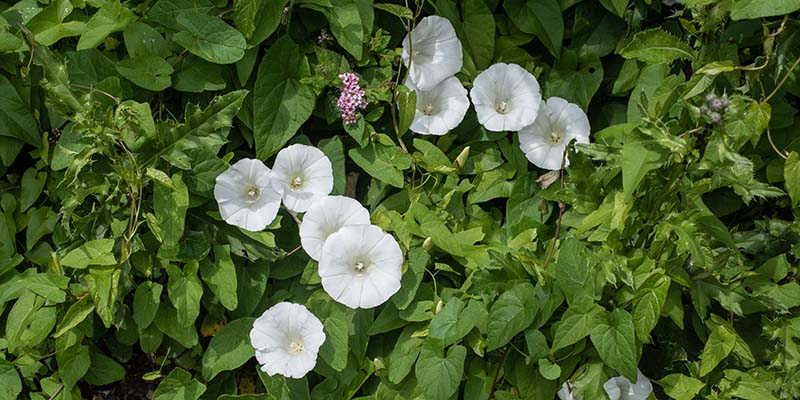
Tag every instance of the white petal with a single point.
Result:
(235, 207)
(274, 331)
(377, 251)
(555, 115)
(511, 84)
(313, 169)
(449, 104)
(327, 216)
(612, 389)
(620, 388)
(437, 52)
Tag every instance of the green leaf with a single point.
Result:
(747, 387)
(336, 322)
(791, 174)
(407, 108)
(267, 19)
(282, 388)
(185, 290)
(281, 104)
(104, 284)
(147, 71)
(753, 9)
(615, 341)
(104, 370)
(654, 46)
(549, 370)
(196, 75)
(73, 363)
(76, 314)
(541, 18)
(221, 276)
(170, 208)
(16, 120)
(111, 17)
(637, 161)
(167, 321)
(513, 311)
(346, 25)
(48, 27)
(720, 343)
(382, 162)
(574, 78)
(680, 387)
(244, 16)
(145, 303)
(9, 381)
(417, 261)
(479, 30)
(32, 184)
(577, 323)
(179, 385)
(439, 376)
(456, 319)
(647, 307)
(142, 39)
(95, 252)
(229, 349)
(573, 270)
(615, 6)
(395, 9)
(210, 38)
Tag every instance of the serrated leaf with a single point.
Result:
(655, 46)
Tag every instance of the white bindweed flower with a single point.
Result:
(325, 217)
(567, 392)
(434, 52)
(302, 174)
(558, 123)
(440, 109)
(245, 197)
(620, 388)
(361, 266)
(506, 97)
(287, 338)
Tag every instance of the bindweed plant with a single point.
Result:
(350, 199)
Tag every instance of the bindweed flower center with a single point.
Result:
(296, 346)
(360, 267)
(296, 183)
(428, 109)
(502, 107)
(556, 136)
(252, 193)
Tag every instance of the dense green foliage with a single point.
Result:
(670, 243)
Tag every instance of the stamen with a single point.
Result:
(502, 107)
(360, 267)
(296, 347)
(253, 193)
(428, 109)
(296, 182)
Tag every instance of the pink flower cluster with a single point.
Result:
(351, 99)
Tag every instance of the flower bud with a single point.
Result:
(461, 160)
(427, 244)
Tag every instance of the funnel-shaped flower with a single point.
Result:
(506, 97)
(434, 52)
(558, 123)
(287, 338)
(302, 174)
(245, 197)
(325, 217)
(361, 266)
(620, 388)
(440, 109)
